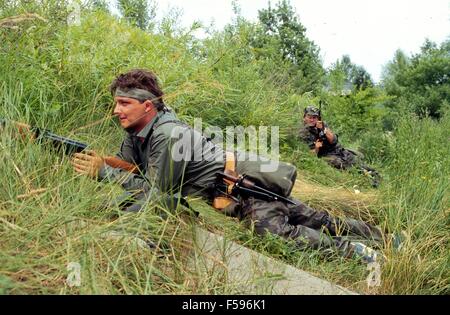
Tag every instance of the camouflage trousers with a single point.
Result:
(344, 159)
(308, 227)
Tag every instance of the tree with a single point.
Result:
(393, 71)
(422, 81)
(137, 12)
(360, 78)
(281, 35)
(100, 5)
(345, 76)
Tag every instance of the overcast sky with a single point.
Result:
(370, 31)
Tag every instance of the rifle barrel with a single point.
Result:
(68, 145)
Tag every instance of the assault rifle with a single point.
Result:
(322, 135)
(66, 145)
(244, 187)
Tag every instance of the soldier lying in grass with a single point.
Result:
(324, 143)
(152, 133)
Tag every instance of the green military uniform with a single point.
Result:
(162, 175)
(335, 154)
(308, 227)
(332, 152)
(154, 149)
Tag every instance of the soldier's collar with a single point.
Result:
(148, 128)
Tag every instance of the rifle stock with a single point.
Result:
(115, 162)
(70, 146)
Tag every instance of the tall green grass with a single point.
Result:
(57, 76)
(416, 199)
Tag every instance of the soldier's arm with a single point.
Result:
(331, 137)
(162, 170)
(306, 137)
(317, 145)
(163, 173)
(312, 143)
(129, 181)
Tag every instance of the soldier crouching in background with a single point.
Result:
(324, 143)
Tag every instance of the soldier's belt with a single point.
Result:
(221, 202)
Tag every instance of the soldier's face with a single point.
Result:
(132, 113)
(310, 120)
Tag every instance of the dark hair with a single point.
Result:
(311, 110)
(140, 79)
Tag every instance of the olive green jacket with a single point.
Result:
(172, 158)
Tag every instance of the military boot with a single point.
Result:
(365, 253)
(372, 174)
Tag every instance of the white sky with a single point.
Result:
(370, 31)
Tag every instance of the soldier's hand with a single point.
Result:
(319, 124)
(318, 144)
(88, 163)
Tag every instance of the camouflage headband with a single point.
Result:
(311, 110)
(139, 94)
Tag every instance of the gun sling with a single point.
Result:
(221, 202)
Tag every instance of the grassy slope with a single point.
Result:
(66, 76)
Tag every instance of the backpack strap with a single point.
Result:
(223, 201)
